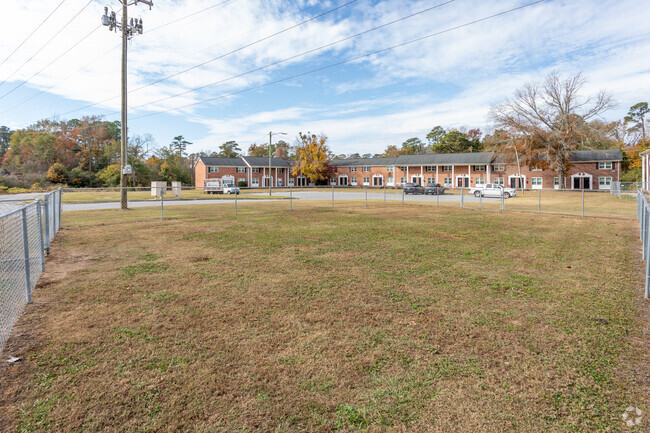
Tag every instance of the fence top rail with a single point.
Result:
(4, 215)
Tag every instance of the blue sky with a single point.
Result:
(450, 79)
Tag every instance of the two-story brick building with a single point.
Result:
(590, 169)
(250, 169)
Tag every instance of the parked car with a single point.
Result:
(493, 190)
(230, 188)
(434, 189)
(413, 188)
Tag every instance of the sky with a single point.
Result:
(366, 73)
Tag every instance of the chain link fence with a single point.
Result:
(90, 207)
(643, 215)
(627, 190)
(27, 227)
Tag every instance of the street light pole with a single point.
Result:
(271, 134)
(128, 30)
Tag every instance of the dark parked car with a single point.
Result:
(413, 188)
(434, 189)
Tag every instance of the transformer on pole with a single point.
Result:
(128, 29)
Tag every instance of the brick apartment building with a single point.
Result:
(590, 169)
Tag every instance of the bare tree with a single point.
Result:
(551, 119)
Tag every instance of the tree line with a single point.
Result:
(541, 124)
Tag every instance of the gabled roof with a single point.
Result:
(223, 162)
(358, 162)
(262, 161)
(596, 155)
(446, 158)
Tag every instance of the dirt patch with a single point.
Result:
(28, 336)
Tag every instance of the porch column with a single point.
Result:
(488, 174)
(276, 176)
(469, 173)
(437, 167)
(453, 177)
(421, 176)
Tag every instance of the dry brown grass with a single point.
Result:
(345, 319)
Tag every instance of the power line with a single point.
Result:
(53, 61)
(47, 43)
(298, 55)
(33, 31)
(116, 46)
(224, 3)
(218, 57)
(332, 65)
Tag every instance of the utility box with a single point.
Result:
(177, 188)
(158, 188)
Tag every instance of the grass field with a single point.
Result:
(333, 320)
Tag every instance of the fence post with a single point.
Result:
(28, 281)
(332, 196)
(236, 200)
(366, 197)
(462, 197)
(384, 196)
(402, 194)
(480, 202)
(539, 202)
(58, 226)
(503, 200)
(46, 217)
(40, 232)
(162, 201)
(583, 202)
(290, 199)
(437, 198)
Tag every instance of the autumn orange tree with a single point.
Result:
(312, 157)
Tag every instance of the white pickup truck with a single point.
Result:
(493, 190)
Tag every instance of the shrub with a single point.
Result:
(57, 173)
(242, 184)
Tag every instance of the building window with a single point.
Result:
(403, 168)
(480, 181)
(499, 167)
(255, 170)
(447, 168)
(366, 181)
(241, 169)
(365, 169)
(353, 181)
(255, 182)
(479, 168)
(332, 181)
(353, 169)
(604, 166)
(533, 168)
(431, 180)
(605, 182)
(498, 181)
(213, 169)
(536, 181)
(431, 168)
(241, 179)
(280, 170)
(402, 180)
(390, 180)
(390, 169)
(447, 181)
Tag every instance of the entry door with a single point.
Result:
(516, 182)
(417, 179)
(343, 181)
(463, 182)
(576, 183)
(265, 181)
(585, 183)
(377, 181)
(301, 181)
